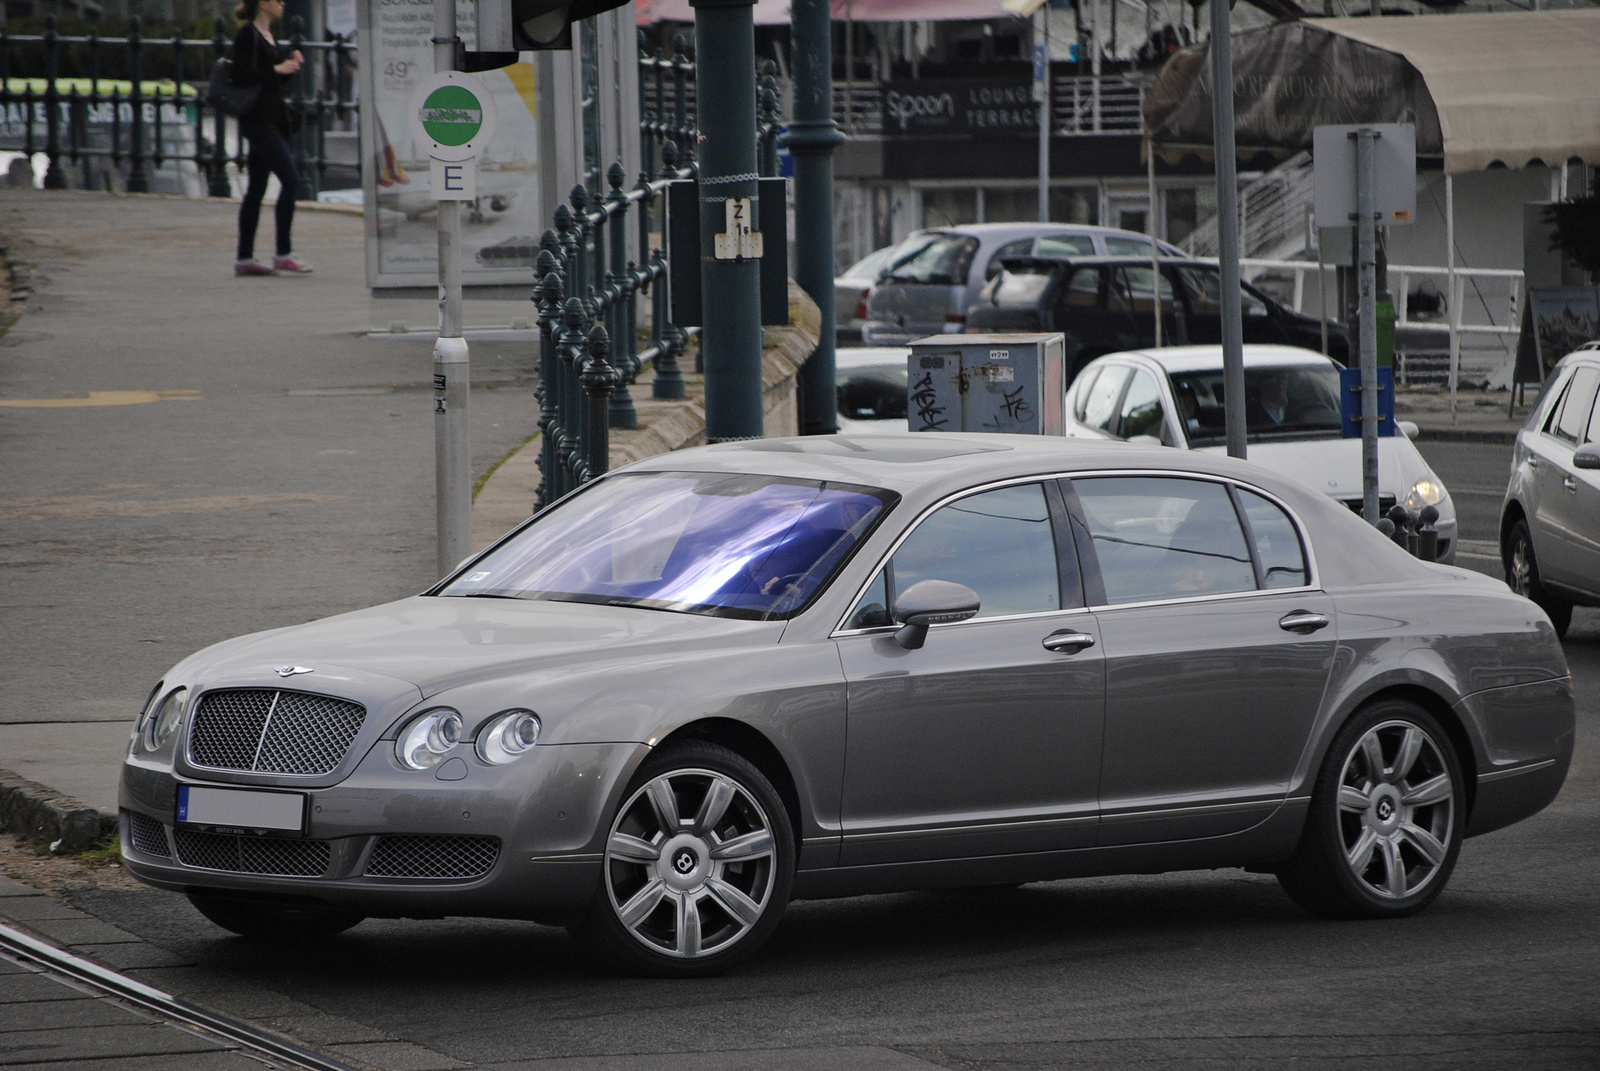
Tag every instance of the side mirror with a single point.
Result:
(931, 602)
(1586, 456)
(1408, 428)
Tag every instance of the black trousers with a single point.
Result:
(269, 155)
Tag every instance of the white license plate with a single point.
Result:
(241, 808)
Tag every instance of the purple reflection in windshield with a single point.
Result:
(747, 546)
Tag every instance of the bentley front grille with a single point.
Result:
(271, 731)
(148, 835)
(433, 857)
(251, 855)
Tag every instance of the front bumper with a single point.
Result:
(523, 840)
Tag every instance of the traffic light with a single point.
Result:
(533, 25)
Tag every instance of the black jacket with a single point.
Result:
(253, 59)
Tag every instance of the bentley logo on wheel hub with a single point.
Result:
(1385, 810)
(684, 861)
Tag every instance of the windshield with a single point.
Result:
(945, 258)
(725, 544)
(872, 392)
(1279, 403)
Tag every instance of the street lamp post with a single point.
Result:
(730, 271)
(812, 137)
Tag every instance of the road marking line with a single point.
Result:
(105, 397)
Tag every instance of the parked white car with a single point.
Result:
(871, 389)
(1174, 396)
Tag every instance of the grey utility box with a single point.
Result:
(996, 383)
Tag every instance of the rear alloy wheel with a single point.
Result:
(1522, 577)
(1385, 822)
(698, 865)
(274, 921)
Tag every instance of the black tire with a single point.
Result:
(673, 904)
(1522, 576)
(273, 921)
(1385, 824)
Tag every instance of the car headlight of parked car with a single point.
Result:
(428, 738)
(1425, 492)
(163, 721)
(507, 735)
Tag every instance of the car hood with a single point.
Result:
(1333, 466)
(435, 643)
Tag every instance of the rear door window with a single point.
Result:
(1277, 543)
(1117, 246)
(1159, 537)
(1575, 411)
(1066, 245)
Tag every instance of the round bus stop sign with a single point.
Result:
(452, 115)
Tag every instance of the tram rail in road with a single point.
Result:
(275, 1051)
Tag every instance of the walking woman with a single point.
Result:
(258, 60)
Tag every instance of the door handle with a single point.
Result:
(1533, 461)
(1570, 483)
(1067, 641)
(1302, 621)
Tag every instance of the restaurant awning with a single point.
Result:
(1486, 90)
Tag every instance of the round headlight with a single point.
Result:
(159, 727)
(1425, 492)
(508, 735)
(427, 738)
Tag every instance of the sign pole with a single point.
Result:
(1367, 265)
(452, 457)
(1041, 94)
(1227, 226)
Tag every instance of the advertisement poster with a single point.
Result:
(501, 227)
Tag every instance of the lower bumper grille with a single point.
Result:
(147, 835)
(433, 857)
(252, 855)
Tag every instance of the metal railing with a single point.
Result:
(1081, 104)
(1084, 104)
(1506, 324)
(77, 118)
(588, 290)
(1271, 213)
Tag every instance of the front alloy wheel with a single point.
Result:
(698, 865)
(1384, 826)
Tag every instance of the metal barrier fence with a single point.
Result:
(77, 118)
(588, 290)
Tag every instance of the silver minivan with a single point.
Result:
(934, 275)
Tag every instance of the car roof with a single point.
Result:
(1178, 359)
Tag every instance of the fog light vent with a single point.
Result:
(433, 857)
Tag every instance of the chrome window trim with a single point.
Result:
(1313, 584)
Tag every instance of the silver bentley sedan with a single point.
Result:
(721, 679)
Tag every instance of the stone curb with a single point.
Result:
(1497, 436)
(49, 818)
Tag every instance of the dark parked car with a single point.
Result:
(1106, 304)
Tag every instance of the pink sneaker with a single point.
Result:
(291, 264)
(250, 267)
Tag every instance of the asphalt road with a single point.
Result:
(295, 480)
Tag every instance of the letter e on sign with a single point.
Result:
(453, 181)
